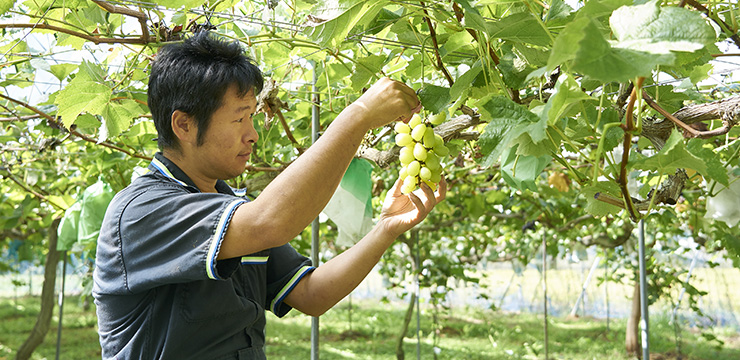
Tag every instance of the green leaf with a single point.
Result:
(457, 40)
(180, 18)
(520, 27)
(583, 46)
(596, 9)
(715, 169)
(514, 70)
(61, 71)
(597, 207)
(655, 29)
(366, 68)
(567, 94)
(117, 117)
(6, 5)
(596, 58)
(671, 157)
(382, 20)
(178, 4)
(334, 20)
(508, 120)
(463, 83)
(521, 171)
(81, 94)
(558, 10)
(435, 98)
(566, 45)
(473, 20)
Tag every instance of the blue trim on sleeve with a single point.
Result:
(289, 287)
(218, 236)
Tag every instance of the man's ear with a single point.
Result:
(184, 127)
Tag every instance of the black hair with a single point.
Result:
(193, 76)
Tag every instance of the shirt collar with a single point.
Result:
(167, 168)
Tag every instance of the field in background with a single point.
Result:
(516, 292)
(363, 327)
(369, 330)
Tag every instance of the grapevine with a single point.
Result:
(421, 151)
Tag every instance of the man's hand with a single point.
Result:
(388, 100)
(402, 212)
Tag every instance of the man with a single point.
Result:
(186, 269)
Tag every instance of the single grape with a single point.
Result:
(418, 132)
(406, 155)
(432, 160)
(420, 152)
(425, 174)
(415, 120)
(429, 138)
(403, 139)
(438, 118)
(413, 168)
(436, 176)
(438, 140)
(441, 150)
(402, 174)
(402, 128)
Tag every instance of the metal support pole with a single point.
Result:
(544, 286)
(418, 296)
(645, 321)
(315, 223)
(61, 304)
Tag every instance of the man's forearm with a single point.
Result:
(331, 282)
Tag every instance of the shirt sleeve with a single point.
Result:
(285, 268)
(172, 236)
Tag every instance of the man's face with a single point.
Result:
(228, 141)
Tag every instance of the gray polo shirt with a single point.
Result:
(159, 290)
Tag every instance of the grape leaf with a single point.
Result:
(117, 117)
(520, 171)
(366, 68)
(61, 71)
(508, 120)
(434, 98)
(334, 20)
(5, 5)
(465, 81)
(651, 28)
(558, 10)
(520, 27)
(567, 94)
(715, 169)
(81, 94)
(177, 4)
(671, 157)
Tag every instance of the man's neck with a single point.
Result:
(201, 182)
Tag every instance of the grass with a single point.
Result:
(369, 331)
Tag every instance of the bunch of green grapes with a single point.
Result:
(421, 151)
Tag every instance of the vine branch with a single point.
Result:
(56, 122)
(143, 39)
(433, 34)
(30, 190)
(629, 127)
